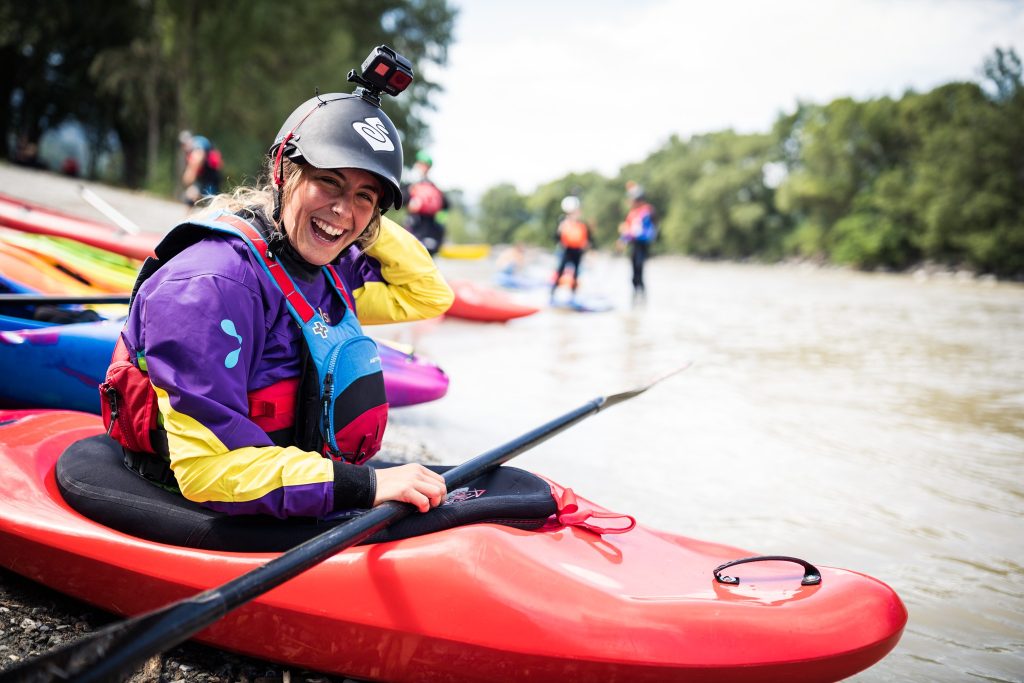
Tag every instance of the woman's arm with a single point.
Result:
(395, 280)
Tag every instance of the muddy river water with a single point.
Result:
(872, 422)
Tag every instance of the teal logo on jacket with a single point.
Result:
(228, 326)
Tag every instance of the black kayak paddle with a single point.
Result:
(42, 299)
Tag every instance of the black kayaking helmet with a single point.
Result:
(341, 130)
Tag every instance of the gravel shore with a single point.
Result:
(35, 619)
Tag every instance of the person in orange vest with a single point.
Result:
(424, 201)
(573, 239)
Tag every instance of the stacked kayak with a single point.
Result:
(23, 271)
(481, 602)
(485, 304)
(61, 366)
(28, 217)
(100, 270)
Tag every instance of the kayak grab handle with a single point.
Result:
(812, 577)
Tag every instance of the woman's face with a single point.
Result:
(327, 211)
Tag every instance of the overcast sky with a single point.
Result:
(535, 89)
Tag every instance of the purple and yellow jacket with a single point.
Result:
(203, 367)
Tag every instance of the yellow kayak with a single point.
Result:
(465, 251)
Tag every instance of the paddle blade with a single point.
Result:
(614, 399)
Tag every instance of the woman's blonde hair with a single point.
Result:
(248, 200)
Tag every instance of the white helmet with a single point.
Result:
(570, 204)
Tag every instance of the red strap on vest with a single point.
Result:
(273, 408)
(297, 301)
(571, 513)
(341, 288)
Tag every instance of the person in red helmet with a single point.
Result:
(242, 377)
(424, 201)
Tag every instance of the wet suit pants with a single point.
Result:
(571, 257)
(639, 252)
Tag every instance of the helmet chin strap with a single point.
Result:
(279, 160)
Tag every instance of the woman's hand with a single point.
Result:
(411, 483)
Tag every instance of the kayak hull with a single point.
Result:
(61, 366)
(476, 603)
(484, 304)
(28, 217)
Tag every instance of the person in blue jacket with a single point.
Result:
(638, 231)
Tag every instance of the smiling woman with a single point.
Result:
(328, 210)
(242, 377)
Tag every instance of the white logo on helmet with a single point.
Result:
(372, 130)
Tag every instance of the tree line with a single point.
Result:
(935, 177)
(878, 184)
(133, 73)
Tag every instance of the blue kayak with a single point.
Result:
(47, 365)
(593, 304)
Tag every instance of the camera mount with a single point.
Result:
(383, 71)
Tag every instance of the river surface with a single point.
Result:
(871, 422)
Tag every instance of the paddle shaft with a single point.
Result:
(41, 299)
(101, 204)
(117, 650)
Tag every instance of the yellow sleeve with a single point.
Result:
(412, 287)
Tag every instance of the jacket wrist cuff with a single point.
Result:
(355, 486)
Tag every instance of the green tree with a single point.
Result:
(232, 71)
(883, 183)
(967, 176)
(243, 67)
(46, 48)
(503, 215)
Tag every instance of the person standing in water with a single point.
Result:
(637, 232)
(573, 237)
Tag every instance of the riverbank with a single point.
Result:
(35, 619)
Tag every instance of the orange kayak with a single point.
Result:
(485, 304)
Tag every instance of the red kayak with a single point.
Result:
(28, 217)
(481, 602)
(485, 304)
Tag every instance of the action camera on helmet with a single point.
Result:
(384, 70)
(340, 130)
